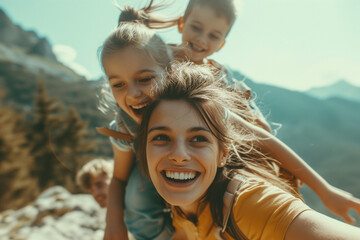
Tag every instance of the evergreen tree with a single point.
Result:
(60, 142)
(46, 117)
(72, 147)
(16, 185)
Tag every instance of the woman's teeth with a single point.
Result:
(180, 175)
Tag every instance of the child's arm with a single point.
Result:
(115, 225)
(312, 225)
(336, 200)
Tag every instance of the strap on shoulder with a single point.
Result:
(115, 134)
(230, 196)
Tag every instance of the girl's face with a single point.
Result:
(203, 32)
(182, 154)
(131, 73)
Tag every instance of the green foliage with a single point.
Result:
(59, 142)
(16, 185)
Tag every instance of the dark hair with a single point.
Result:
(201, 86)
(146, 16)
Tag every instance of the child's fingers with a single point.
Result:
(355, 204)
(348, 219)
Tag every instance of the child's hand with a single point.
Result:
(339, 202)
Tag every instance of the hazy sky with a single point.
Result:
(289, 43)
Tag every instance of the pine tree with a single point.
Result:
(60, 142)
(17, 187)
(46, 111)
(72, 147)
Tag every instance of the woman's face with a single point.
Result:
(131, 73)
(182, 154)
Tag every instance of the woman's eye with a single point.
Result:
(199, 139)
(161, 137)
(146, 79)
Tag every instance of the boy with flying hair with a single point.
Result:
(204, 27)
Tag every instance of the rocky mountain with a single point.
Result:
(31, 52)
(13, 35)
(26, 59)
(57, 215)
(340, 89)
(70, 102)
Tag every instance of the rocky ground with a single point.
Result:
(57, 215)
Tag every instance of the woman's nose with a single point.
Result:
(179, 153)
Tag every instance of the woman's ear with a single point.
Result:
(221, 45)
(180, 24)
(223, 158)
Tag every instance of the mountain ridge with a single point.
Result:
(341, 88)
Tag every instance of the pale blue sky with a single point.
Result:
(289, 43)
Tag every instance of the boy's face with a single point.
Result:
(99, 188)
(203, 32)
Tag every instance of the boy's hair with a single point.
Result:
(94, 168)
(201, 87)
(224, 8)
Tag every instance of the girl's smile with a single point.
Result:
(131, 73)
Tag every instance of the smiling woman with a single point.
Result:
(182, 153)
(191, 150)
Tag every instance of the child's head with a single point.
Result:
(205, 25)
(133, 58)
(94, 177)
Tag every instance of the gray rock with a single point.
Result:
(57, 215)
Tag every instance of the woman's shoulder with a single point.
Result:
(262, 209)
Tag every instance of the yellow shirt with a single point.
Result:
(261, 211)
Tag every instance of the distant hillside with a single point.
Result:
(324, 132)
(13, 35)
(25, 59)
(341, 89)
(45, 135)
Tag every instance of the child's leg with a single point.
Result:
(145, 211)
